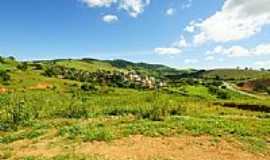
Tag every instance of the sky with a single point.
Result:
(177, 33)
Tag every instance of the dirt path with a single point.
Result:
(232, 88)
(142, 148)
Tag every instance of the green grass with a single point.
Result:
(229, 74)
(110, 113)
(92, 66)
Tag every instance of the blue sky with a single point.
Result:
(178, 33)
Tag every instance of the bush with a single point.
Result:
(76, 108)
(220, 93)
(268, 90)
(4, 76)
(53, 71)
(260, 86)
(2, 60)
(37, 66)
(22, 66)
(17, 113)
(88, 87)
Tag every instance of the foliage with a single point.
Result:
(23, 66)
(4, 76)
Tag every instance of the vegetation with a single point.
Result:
(75, 104)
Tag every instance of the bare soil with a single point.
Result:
(42, 86)
(3, 90)
(141, 148)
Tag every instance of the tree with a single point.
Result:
(22, 66)
(2, 60)
(4, 76)
(12, 58)
(217, 78)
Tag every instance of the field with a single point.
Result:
(63, 115)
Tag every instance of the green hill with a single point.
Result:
(235, 74)
(93, 65)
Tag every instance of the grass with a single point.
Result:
(67, 113)
(92, 66)
(234, 74)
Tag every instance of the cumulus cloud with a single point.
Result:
(110, 18)
(133, 7)
(167, 51)
(238, 19)
(175, 48)
(170, 11)
(239, 51)
(182, 43)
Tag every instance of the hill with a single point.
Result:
(68, 108)
(93, 65)
(234, 74)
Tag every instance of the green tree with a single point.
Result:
(2, 59)
(22, 66)
(4, 76)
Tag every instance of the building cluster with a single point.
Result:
(144, 80)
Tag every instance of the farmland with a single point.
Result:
(93, 109)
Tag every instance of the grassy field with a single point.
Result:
(235, 74)
(52, 118)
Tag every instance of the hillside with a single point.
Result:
(235, 74)
(93, 65)
(88, 109)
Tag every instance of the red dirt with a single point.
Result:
(251, 85)
(42, 86)
(3, 90)
(143, 148)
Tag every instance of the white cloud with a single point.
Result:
(182, 43)
(262, 49)
(133, 7)
(191, 61)
(170, 11)
(238, 19)
(239, 51)
(110, 18)
(99, 3)
(190, 29)
(167, 51)
(175, 48)
(186, 5)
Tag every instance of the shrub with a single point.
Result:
(2, 60)
(87, 133)
(37, 66)
(268, 90)
(223, 87)
(17, 113)
(220, 93)
(260, 86)
(12, 58)
(22, 66)
(4, 76)
(76, 108)
(88, 87)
